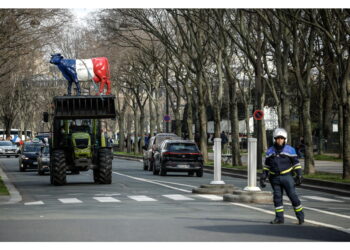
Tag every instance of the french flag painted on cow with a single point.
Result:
(77, 70)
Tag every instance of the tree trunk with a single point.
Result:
(151, 117)
(346, 149)
(121, 138)
(190, 118)
(202, 118)
(136, 132)
(236, 156)
(128, 139)
(320, 120)
(142, 128)
(341, 130)
(309, 155)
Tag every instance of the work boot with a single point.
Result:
(301, 221)
(277, 221)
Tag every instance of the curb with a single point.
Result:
(14, 196)
(312, 184)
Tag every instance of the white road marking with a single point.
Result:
(346, 230)
(33, 203)
(70, 200)
(285, 198)
(212, 197)
(319, 198)
(153, 182)
(106, 199)
(178, 197)
(141, 198)
(179, 184)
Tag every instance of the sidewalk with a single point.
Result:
(321, 166)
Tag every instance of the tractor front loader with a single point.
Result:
(78, 140)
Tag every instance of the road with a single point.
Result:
(139, 206)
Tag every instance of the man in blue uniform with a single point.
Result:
(280, 165)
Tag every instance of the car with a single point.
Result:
(8, 148)
(178, 156)
(152, 146)
(30, 153)
(43, 160)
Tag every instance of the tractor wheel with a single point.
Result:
(58, 170)
(105, 166)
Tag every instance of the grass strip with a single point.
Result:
(3, 189)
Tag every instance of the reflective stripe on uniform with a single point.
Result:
(279, 209)
(286, 171)
(297, 167)
(265, 168)
(298, 208)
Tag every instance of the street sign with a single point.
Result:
(258, 115)
(167, 118)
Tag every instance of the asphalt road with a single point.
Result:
(139, 206)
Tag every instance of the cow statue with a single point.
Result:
(76, 70)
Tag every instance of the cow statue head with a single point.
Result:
(56, 59)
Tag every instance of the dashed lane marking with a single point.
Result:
(141, 198)
(34, 203)
(106, 199)
(212, 197)
(70, 200)
(319, 198)
(178, 197)
(153, 182)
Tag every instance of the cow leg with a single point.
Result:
(77, 84)
(102, 85)
(69, 89)
(108, 87)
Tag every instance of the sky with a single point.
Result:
(176, 4)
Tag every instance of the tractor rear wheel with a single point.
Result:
(58, 169)
(105, 166)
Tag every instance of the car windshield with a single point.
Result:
(5, 143)
(32, 148)
(182, 147)
(159, 140)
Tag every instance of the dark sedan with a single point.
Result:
(30, 153)
(178, 156)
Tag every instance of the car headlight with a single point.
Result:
(24, 157)
(1, 150)
(45, 159)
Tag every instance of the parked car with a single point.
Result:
(43, 160)
(178, 156)
(8, 148)
(153, 144)
(29, 155)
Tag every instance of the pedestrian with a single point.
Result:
(224, 141)
(280, 164)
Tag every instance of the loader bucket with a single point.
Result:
(84, 107)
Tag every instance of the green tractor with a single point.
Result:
(78, 142)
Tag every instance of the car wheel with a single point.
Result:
(8, 156)
(190, 173)
(21, 169)
(199, 173)
(16, 156)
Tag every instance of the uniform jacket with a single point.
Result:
(281, 161)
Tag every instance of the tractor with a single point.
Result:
(78, 141)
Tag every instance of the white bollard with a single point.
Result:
(252, 156)
(217, 162)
